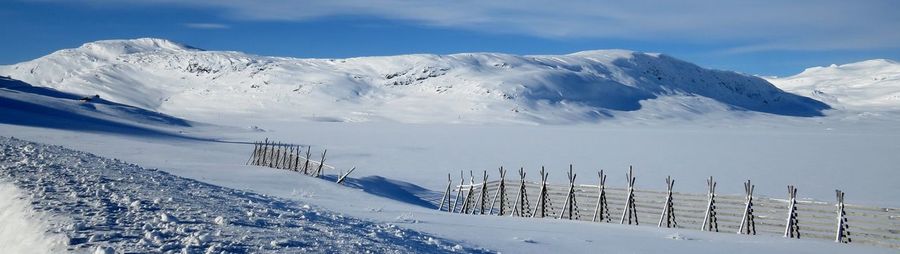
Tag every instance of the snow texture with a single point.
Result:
(113, 205)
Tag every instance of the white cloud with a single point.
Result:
(206, 25)
(759, 24)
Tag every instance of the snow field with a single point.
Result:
(121, 207)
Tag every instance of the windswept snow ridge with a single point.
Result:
(160, 75)
(113, 204)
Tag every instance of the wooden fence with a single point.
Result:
(742, 214)
(291, 157)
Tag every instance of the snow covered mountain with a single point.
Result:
(866, 85)
(183, 81)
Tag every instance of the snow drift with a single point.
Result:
(157, 74)
(24, 230)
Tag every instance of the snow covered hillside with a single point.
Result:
(23, 104)
(872, 85)
(179, 80)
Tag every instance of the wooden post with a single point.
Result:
(262, 153)
(462, 180)
(277, 153)
(446, 197)
(288, 158)
(668, 213)
(602, 210)
(343, 177)
(284, 157)
(630, 208)
(306, 165)
(709, 219)
(467, 202)
(482, 196)
(521, 207)
(321, 164)
(540, 209)
(265, 153)
(748, 226)
(843, 230)
(501, 193)
(253, 154)
(297, 159)
(570, 208)
(792, 228)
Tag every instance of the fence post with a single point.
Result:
(501, 193)
(709, 219)
(284, 157)
(540, 209)
(843, 230)
(482, 195)
(668, 213)
(296, 167)
(446, 196)
(287, 158)
(521, 207)
(343, 177)
(277, 151)
(748, 226)
(253, 154)
(630, 210)
(265, 153)
(469, 196)
(792, 227)
(458, 193)
(288, 150)
(306, 165)
(262, 153)
(602, 210)
(321, 164)
(570, 208)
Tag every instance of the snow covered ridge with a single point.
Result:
(109, 204)
(871, 85)
(179, 80)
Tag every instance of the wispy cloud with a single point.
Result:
(206, 26)
(763, 24)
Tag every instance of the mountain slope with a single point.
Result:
(23, 104)
(867, 85)
(180, 80)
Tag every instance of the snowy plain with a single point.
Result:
(402, 166)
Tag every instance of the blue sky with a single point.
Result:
(757, 37)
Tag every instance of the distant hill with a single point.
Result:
(172, 78)
(867, 85)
